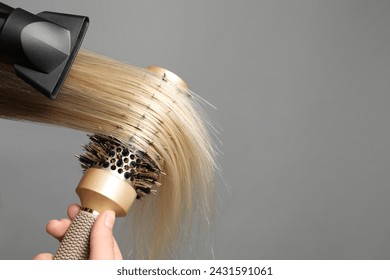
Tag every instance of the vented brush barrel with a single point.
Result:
(115, 174)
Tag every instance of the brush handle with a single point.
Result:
(75, 244)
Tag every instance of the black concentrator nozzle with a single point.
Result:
(41, 47)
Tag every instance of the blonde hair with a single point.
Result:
(165, 120)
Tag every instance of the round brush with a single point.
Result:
(115, 174)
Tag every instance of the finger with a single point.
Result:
(43, 256)
(58, 228)
(73, 210)
(117, 251)
(102, 239)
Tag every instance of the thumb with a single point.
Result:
(102, 239)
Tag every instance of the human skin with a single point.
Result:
(103, 244)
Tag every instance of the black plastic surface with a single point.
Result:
(41, 47)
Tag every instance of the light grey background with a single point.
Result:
(302, 90)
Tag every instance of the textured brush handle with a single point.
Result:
(75, 244)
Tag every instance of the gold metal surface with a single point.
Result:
(100, 190)
(168, 76)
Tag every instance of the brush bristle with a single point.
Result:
(123, 160)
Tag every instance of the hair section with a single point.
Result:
(164, 120)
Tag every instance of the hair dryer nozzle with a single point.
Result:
(41, 47)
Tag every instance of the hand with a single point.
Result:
(103, 244)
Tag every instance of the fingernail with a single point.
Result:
(109, 218)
